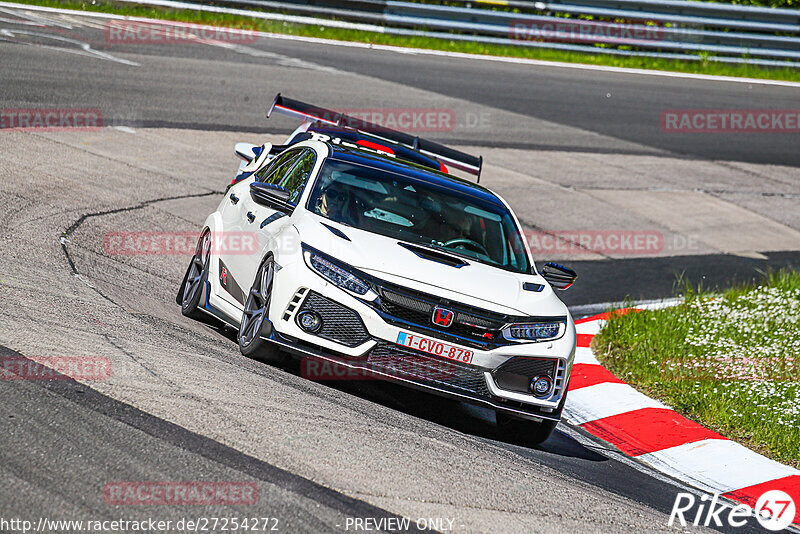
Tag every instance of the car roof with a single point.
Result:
(353, 135)
(414, 171)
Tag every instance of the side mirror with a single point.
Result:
(272, 196)
(558, 276)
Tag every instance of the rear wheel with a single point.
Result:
(255, 318)
(523, 430)
(196, 276)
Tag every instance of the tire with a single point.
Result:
(196, 275)
(255, 317)
(523, 430)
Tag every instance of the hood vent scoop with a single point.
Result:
(433, 255)
(336, 232)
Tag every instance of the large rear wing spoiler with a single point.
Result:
(307, 112)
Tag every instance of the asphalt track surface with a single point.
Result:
(183, 404)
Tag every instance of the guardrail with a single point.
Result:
(672, 29)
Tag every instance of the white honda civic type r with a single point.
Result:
(364, 253)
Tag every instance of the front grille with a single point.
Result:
(405, 314)
(516, 373)
(409, 303)
(339, 323)
(422, 304)
(431, 370)
(472, 326)
(481, 322)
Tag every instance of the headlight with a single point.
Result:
(544, 331)
(335, 274)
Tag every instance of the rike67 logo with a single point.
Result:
(774, 510)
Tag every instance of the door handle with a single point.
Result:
(250, 216)
(234, 199)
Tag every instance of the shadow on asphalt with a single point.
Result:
(561, 452)
(459, 416)
(645, 278)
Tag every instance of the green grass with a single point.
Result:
(783, 4)
(730, 361)
(215, 19)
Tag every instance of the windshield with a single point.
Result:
(412, 210)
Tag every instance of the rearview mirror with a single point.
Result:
(558, 276)
(272, 196)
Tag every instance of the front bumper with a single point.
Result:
(362, 341)
(464, 385)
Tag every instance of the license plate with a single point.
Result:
(431, 346)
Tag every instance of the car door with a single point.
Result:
(237, 244)
(226, 243)
(260, 224)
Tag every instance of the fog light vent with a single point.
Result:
(521, 373)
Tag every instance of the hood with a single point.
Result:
(476, 284)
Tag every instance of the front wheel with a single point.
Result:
(255, 318)
(523, 430)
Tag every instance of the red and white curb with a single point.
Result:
(651, 432)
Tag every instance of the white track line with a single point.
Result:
(585, 355)
(717, 465)
(591, 327)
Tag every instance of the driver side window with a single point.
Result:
(273, 172)
(290, 171)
